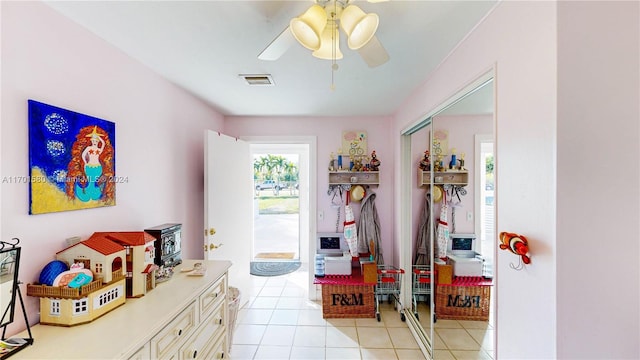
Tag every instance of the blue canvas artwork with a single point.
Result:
(72, 160)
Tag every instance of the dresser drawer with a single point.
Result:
(209, 341)
(169, 339)
(212, 297)
(218, 350)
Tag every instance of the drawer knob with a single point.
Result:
(194, 354)
(178, 332)
(214, 295)
(219, 321)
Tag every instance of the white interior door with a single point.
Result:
(228, 206)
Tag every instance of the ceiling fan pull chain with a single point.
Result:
(334, 44)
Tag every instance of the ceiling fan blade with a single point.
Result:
(373, 53)
(278, 46)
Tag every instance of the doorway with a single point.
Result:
(276, 205)
(280, 175)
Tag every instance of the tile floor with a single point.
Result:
(459, 339)
(279, 322)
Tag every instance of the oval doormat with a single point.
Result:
(273, 268)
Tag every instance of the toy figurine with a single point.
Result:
(425, 163)
(339, 159)
(332, 161)
(453, 163)
(461, 161)
(374, 164)
(438, 166)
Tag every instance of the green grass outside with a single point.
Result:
(278, 205)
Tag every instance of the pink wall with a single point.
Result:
(328, 132)
(597, 165)
(565, 72)
(159, 135)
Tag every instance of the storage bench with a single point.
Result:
(466, 298)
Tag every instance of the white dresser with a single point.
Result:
(183, 318)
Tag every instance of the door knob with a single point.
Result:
(212, 231)
(214, 246)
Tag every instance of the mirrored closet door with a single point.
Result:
(449, 168)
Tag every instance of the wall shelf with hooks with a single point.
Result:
(354, 178)
(453, 177)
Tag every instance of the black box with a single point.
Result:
(167, 244)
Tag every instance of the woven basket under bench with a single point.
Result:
(466, 298)
(347, 301)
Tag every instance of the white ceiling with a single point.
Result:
(203, 46)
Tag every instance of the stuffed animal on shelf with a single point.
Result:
(374, 164)
(357, 164)
(438, 166)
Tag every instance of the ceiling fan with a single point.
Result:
(317, 30)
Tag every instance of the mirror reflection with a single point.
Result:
(453, 227)
(8, 279)
(421, 274)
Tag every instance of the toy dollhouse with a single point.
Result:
(116, 265)
(66, 306)
(140, 259)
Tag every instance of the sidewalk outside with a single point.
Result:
(276, 233)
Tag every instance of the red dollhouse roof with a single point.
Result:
(130, 238)
(150, 268)
(100, 244)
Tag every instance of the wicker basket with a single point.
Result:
(347, 301)
(463, 302)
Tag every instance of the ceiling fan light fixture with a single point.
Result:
(358, 26)
(308, 27)
(328, 49)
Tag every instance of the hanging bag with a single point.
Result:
(350, 230)
(443, 230)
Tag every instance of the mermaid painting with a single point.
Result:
(90, 170)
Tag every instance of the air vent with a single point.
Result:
(258, 79)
